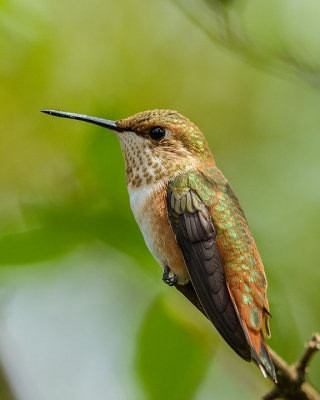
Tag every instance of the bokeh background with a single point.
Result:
(83, 311)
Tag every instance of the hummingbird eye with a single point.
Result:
(157, 133)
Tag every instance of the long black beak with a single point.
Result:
(106, 123)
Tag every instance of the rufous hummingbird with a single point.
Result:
(194, 226)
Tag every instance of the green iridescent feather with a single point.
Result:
(242, 263)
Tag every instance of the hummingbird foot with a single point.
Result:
(169, 277)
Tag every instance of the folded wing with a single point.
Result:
(195, 234)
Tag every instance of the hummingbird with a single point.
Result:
(194, 226)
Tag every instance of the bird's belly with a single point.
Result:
(149, 208)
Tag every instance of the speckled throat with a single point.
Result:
(146, 163)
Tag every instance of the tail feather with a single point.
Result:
(260, 352)
(263, 370)
(257, 343)
(265, 359)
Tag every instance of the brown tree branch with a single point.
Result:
(311, 348)
(292, 379)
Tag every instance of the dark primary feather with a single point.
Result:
(195, 234)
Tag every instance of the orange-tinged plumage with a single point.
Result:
(194, 225)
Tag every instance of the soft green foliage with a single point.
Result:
(62, 190)
(172, 359)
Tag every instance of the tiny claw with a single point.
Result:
(167, 279)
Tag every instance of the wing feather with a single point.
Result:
(195, 234)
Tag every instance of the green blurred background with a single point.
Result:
(83, 311)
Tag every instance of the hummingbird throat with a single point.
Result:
(148, 163)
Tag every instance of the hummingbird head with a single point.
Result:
(157, 145)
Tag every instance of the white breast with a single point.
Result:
(142, 203)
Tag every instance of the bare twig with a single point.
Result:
(311, 348)
(292, 379)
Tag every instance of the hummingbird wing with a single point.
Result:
(222, 261)
(195, 234)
